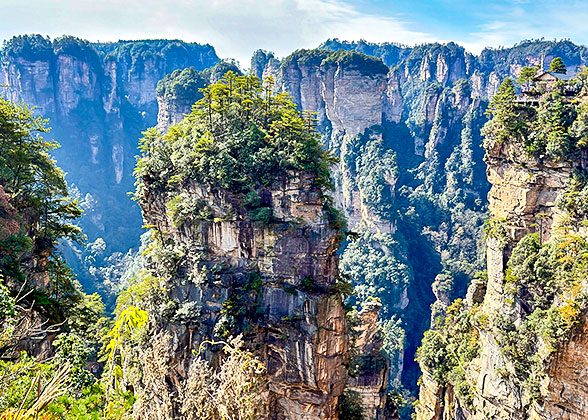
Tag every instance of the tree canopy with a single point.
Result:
(241, 134)
(557, 66)
(30, 175)
(505, 121)
(527, 74)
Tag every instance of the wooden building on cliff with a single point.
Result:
(544, 82)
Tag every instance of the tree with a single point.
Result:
(558, 66)
(550, 129)
(31, 177)
(505, 122)
(527, 74)
(241, 134)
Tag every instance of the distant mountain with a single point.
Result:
(99, 98)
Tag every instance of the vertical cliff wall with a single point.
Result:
(297, 329)
(524, 322)
(369, 370)
(99, 98)
(411, 178)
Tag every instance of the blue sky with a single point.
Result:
(237, 27)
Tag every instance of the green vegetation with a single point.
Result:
(350, 406)
(185, 207)
(575, 200)
(317, 58)
(390, 52)
(29, 47)
(544, 282)
(240, 309)
(376, 266)
(260, 59)
(547, 280)
(38, 48)
(506, 122)
(528, 74)
(240, 136)
(215, 73)
(557, 66)
(187, 84)
(501, 60)
(549, 133)
(171, 54)
(498, 229)
(258, 212)
(182, 84)
(556, 128)
(30, 176)
(42, 299)
(373, 170)
(76, 47)
(450, 345)
(367, 65)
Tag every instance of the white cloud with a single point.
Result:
(234, 27)
(508, 25)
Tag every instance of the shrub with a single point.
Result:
(350, 406)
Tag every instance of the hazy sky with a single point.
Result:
(238, 27)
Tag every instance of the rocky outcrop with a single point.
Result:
(99, 98)
(296, 319)
(567, 390)
(8, 223)
(371, 381)
(348, 101)
(171, 112)
(524, 187)
(523, 199)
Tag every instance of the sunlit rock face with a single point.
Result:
(371, 383)
(98, 98)
(524, 193)
(298, 330)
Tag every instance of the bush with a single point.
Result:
(350, 406)
(236, 138)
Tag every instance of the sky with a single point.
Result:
(236, 28)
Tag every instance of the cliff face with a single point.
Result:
(410, 169)
(498, 382)
(523, 188)
(347, 101)
(99, 98)
(297, 325)
(371, 379)
(171, 112)
(381, 124)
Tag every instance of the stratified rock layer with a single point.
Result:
(524, 194)
(371, 384)
(297, 324)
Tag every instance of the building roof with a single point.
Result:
(559, 76)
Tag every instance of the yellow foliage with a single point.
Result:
(570, 312)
